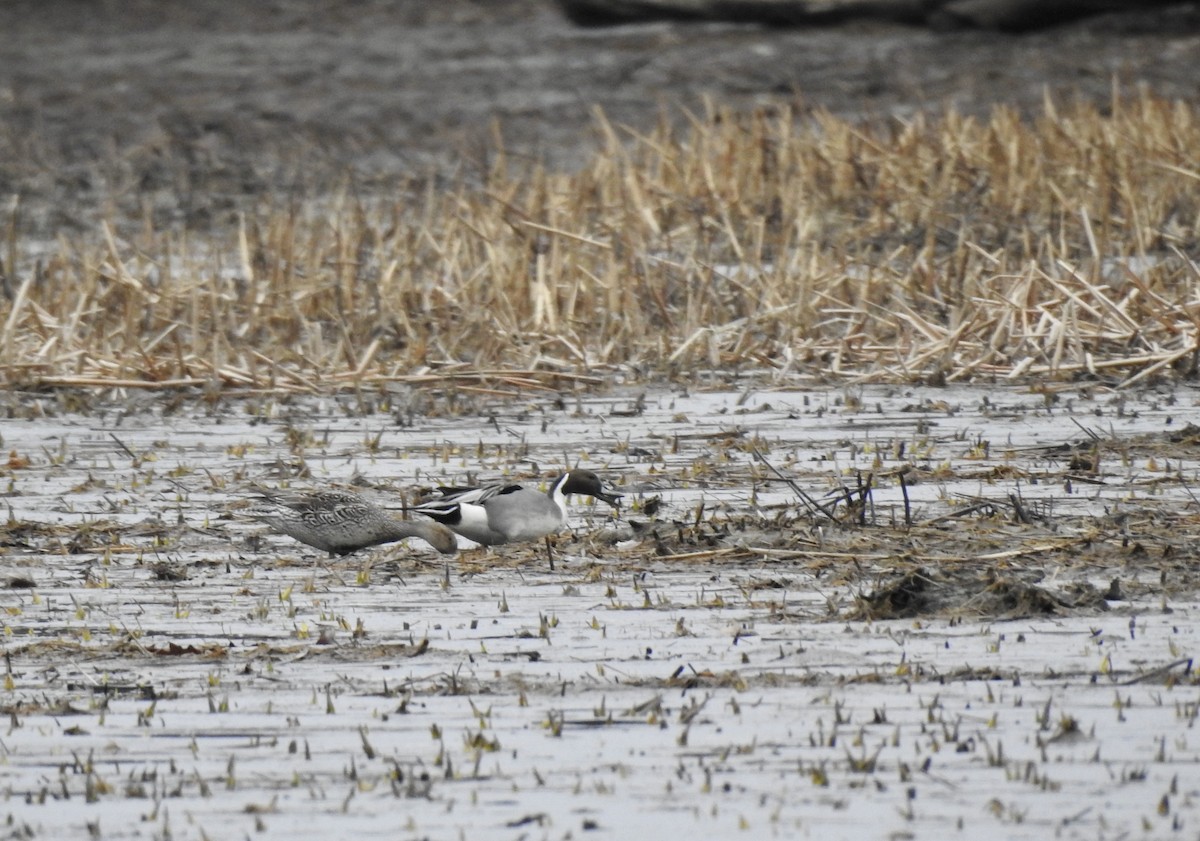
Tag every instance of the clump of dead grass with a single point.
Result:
(937, 249)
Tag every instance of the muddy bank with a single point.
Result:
(188, 112)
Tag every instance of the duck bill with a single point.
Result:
(611, 497)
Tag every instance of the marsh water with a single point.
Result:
(766, 640)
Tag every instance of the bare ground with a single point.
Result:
(184, 112)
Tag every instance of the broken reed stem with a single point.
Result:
(937, 248)
(811, 504)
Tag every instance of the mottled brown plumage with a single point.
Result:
(341, 522)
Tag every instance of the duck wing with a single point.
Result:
(326, 506)
(470, 496)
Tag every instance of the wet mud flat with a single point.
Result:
(767, 638)
(145, 109)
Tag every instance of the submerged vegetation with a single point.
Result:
(931, 249)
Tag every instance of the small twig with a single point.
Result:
(704, 555)
(955, 514)
(1159, 672)
(1019, 509)
(812, 505)
(864, 496)
(1186, 488)
(1086, 431)
(121, 444)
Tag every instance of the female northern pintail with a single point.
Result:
(341, 522)
(500, 513)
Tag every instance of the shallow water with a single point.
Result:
(174, 672)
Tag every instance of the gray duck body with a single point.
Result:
(510, 513)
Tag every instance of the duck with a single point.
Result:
(341, 522)
(500, 513)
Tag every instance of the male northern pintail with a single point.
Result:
(341, 522)
(501, 513)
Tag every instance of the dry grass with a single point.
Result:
(936, 249)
